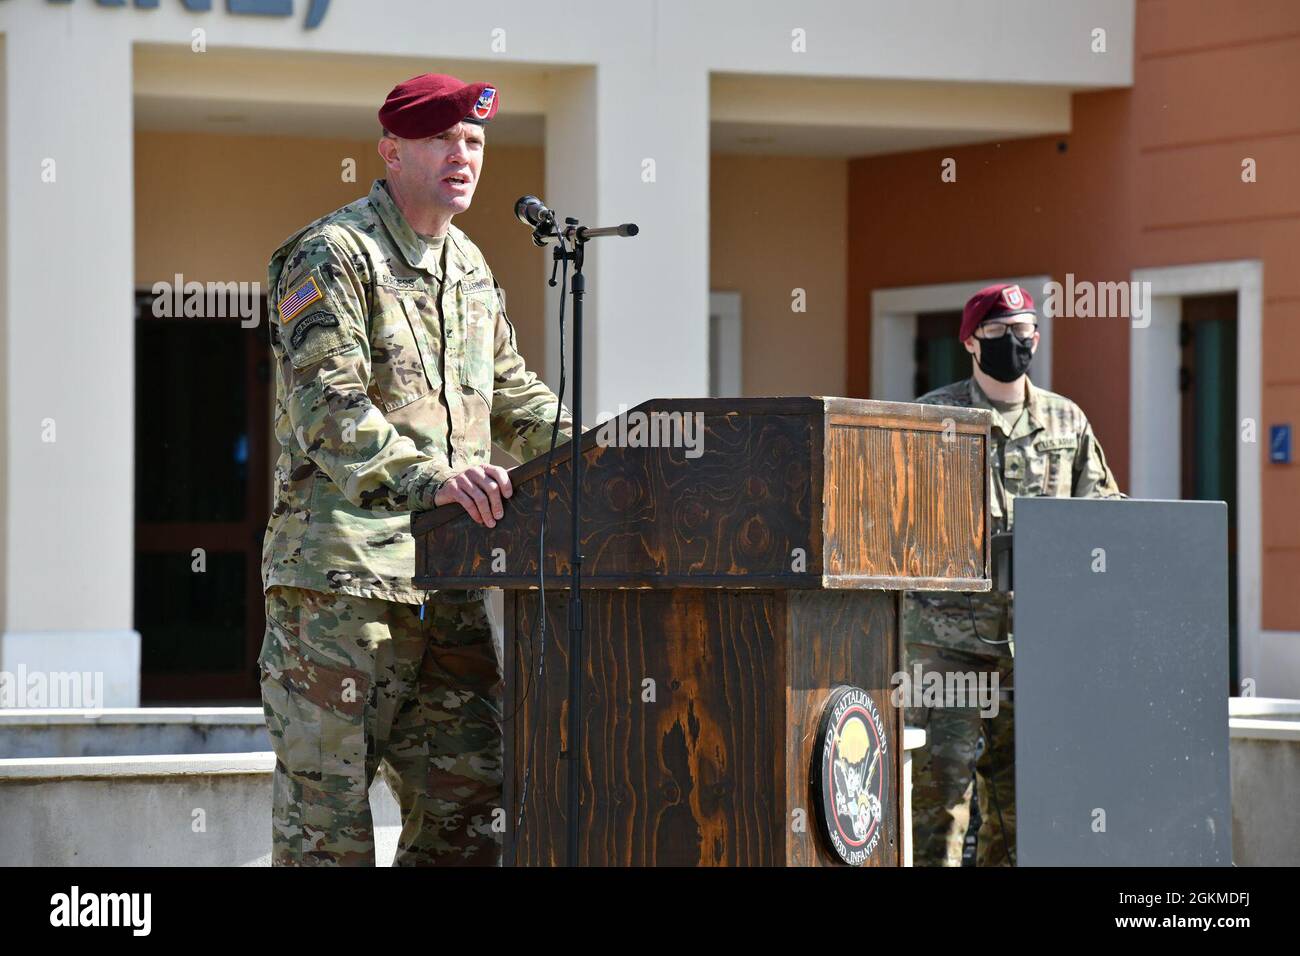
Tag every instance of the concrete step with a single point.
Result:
(113, 732)
(146, 787)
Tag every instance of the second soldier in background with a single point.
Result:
(1041, 445)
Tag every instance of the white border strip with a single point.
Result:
(1154, 428)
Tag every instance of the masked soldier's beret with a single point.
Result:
(430, 103)
(994, 302)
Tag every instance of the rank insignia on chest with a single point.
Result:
(298, 298)
(1013, 467)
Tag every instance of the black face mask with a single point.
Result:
(1006, 358)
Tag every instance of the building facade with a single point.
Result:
(802, 231)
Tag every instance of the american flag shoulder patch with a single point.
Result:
(298, 298)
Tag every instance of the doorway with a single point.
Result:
(202, 496)
(1207, 384)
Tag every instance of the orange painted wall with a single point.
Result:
(1150, 176)
(213, 207)
(783, 352)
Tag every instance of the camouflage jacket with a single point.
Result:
(390, 377)
(1049, 451)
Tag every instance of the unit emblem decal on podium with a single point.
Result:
(849, 769)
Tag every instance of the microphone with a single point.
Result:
(531, 211)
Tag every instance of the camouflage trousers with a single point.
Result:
(355, 686)
(942, 771)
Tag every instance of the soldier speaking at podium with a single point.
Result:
(1041, 445)
(395, 368)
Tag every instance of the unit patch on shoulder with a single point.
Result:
(317, 319)
(298, 298)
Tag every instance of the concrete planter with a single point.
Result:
(204, 810)
(1264, 752)
(192, 787)
(144, 787)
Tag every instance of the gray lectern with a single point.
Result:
(1121, 627)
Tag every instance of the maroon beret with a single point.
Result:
(430, 103)
(993, 302)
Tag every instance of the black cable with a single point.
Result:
(541, 548)
(519, 702)
(970, 606)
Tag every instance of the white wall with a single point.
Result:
(68, 327)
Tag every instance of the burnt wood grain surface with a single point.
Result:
(683, 729)
(710, 651)
(701, 710)
(789, 493)
(905, 500)
(651, 516)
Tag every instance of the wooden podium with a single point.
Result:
(732, 581)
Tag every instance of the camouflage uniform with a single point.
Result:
(358, 685)
(1048, 451)
(395, 369)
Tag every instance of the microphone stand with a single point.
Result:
(577, 237)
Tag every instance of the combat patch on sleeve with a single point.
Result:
(315, 320)
(298, 298)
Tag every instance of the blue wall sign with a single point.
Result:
(1279, 444)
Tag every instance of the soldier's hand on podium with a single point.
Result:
(479, 490)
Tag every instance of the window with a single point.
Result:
(940, 358)
(725, 355)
